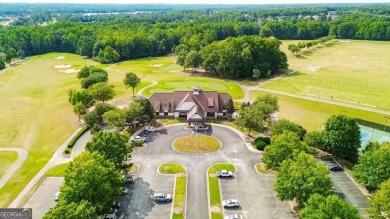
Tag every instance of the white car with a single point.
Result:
(230, 203)
(56, 198)
(150, 129)
(224, 173)
(138, 139)
(233, 216)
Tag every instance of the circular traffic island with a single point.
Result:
(196, 144)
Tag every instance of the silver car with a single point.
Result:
(230, 203)
(162, 197)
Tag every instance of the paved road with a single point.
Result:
(234, 151)
(23, 154)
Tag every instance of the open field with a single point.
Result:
(311, 115)
(355, 71)
(7, 158)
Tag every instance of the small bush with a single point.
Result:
(261, 142)
(137, 144)
(73, 141)
(67, 151)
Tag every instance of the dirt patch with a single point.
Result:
(62, 66)
(215, 209)
(59, 57)
(312, 68)
(181, 174)
(157, 65)
(70, 71)
(212, 175)
(138, 149)
(134, 169)
(167, 168)
(178, 209)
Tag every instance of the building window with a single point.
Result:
(165, 113)
(210, 114)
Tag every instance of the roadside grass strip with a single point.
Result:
(197, 144)
(179, 196)
(214, 189)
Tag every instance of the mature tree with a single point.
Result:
(315, 139)
(85, 46)
(281, 148)
(2, 63)
(250, 118)
(266, 32)
(147, 110)
(95, 118)
(331, 207)
(379, 203)
(286, 125)
(93, 78)
(181, 58)
(193, 60)
(73, 210)
(108, 55)
(267, 104)
(83, 97)
(79, 109)
(373, 167)
(131, 80)
(102, 91)
(111, 145)
(229, 107)
(342, 137)
(301, 177)
(372, 146)
(115, 118)
(93, 178)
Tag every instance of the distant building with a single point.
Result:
(195, 105)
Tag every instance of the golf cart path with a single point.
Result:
(23, 154)
(144, 88)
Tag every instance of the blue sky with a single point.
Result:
(200, 1)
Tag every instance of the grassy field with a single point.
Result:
(353, 70)
(197, 144)
(214, 188)
(179, 200)
(58, 170)
(311, 115)
(7, 158)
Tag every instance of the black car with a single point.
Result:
(336, 168)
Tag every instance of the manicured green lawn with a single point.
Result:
(179, 200)
(214, 188)
(311, 115)
(197, 144)
(58, 170)
(7, 158)
(353, 70)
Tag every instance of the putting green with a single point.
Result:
(196, 144)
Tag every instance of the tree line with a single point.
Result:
(296, 48)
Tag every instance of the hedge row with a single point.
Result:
(73, 141)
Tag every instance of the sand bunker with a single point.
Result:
(157, 65)
(62, 66)
(181, 174)
(215, 209)
(70, 71)
(59, 57)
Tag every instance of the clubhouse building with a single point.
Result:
(195, 106)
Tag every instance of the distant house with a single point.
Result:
(196, 105)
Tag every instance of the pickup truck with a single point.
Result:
(224, 173)
(137, 139)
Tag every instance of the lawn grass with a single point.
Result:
(355, 71)
(196, 144)
(214, 187)
(58, 170)
(179, 199)
(7, 158)
(311, 115)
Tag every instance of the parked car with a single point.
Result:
(335, 168)
(138, 139)
(116, 205)
(124, 191)
(128, 179)
(224, 173)
(233, 216)
(150, 129)
(162, 197)
(108, 216)
(56, 197)
(230, 203)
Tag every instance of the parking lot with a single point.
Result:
(43, 198)
(255, 195)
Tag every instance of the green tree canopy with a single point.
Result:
(115, 118)
(267, 104)
(286, 125)
(373, 167)
(342, 137)
(111, 145)
(301, 177)
(108, 55)
(250, 118)
(331, 207)
(131, 80)
(281, 148)
(92, 178)
(379, 203)
(229, 107)
(193, 60)
(83, 97)
(72, 210)
(102, 91)
(315, 139)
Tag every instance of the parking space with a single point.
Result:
(255, 195)
(43, 198)
(344, 187)
(139, 203)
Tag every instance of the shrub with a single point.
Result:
(73, 141)
(67, 151)
(261, 142)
